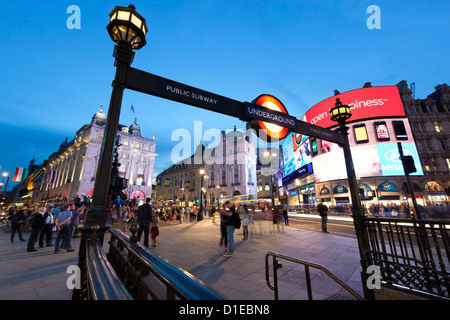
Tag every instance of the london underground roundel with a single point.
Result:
(272, 131)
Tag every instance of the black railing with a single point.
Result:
(276, 265)
(98, 280)
(130, 271)
(148, 276)
(411, 253)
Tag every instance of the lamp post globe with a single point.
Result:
(127, 28)
(340, 113)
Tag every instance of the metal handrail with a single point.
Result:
(179, 282)
(277, 265)
(102, 281)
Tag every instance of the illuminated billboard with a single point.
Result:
(377, 124)
(366, 103)
(296, 155)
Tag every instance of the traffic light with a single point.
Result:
(379, 194)
(197, 200)
(408, 164)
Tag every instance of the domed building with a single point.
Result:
(75, 163)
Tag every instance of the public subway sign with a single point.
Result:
(266, 114)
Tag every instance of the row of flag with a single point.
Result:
(36, 176)
(174, 183)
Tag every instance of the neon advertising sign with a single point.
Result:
(377, 124)
(372, 102)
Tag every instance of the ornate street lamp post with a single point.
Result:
(128, 29)
(341, 113)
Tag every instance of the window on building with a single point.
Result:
(437, 126)
(443, 144)
(433, 164)
(142, 159)
(426, 164)
(123, 169)
(236, 176)
(125, 156)
(224, 177)
(147, 147)
(126, 142)
(100, 135)
(137, 145)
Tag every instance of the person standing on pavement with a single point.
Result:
(285, 215)
(17, 221)
(62, 222)
(145, 216)
(323, 212)
(246, 219)
(223, 225)
(155, 229)
(47, 230)
(37, 222)
(232, 222)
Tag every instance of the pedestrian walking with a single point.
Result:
(17, 221)
(145, 216)
(62, 222)
(37, 222)
(47, 230)
(155, 229)
(323, 212)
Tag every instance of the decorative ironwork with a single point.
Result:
(411, 253)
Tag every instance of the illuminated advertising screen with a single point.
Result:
(377, 124)
(372, 102)
(296, 153)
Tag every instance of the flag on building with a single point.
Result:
(174, 182)
(188, 184)
(167, 183)
(52, 176)
(158, 182)
(181, 184)
(37, 175)
(19, 175)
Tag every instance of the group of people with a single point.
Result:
(42, 221)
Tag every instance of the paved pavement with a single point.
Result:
(194, 246)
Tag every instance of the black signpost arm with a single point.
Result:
(148, 83)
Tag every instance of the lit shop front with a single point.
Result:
(377, 125)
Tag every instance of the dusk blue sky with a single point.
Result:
(54, 79)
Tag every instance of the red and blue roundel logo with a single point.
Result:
(272, 103)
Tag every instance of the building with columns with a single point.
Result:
(229, 173)
(73, 166)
